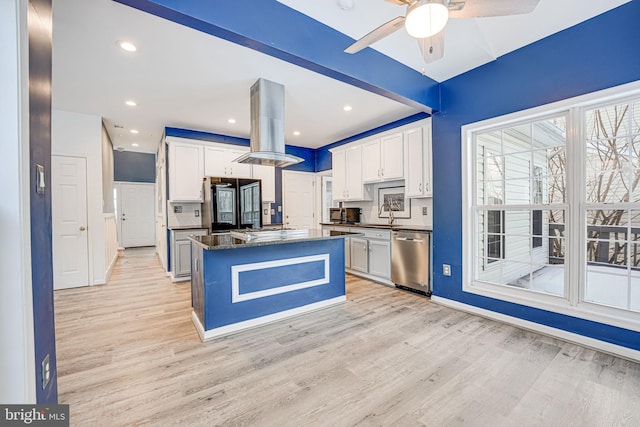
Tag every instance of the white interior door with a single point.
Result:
(136, 212)
(69, 222)
(298, 190)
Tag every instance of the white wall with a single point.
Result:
(80, 135)
(107, 171)
(17, 355)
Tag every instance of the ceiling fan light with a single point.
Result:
(426, 18)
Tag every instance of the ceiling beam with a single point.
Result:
(279, 31)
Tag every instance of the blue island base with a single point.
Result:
(247, 286)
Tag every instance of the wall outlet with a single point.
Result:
(177, 209)
(196, 213)
(46, 371)
(279, 208)
(446, 270)
(273, 211)
(425, 210)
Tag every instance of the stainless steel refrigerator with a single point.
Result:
(231, 204)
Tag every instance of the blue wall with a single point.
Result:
(134, 167)
(40, 39)
(597, 54)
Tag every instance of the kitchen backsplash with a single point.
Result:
(186, 215)
(370, 208)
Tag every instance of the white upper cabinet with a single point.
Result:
(339, 170)
(219, 161)
(355, 190)
(392, 156)
(347, 174)
(371, 165)
(267, 174)
(418, 181)
(383, 159)
(186, 170)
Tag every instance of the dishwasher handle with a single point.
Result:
(408, 239)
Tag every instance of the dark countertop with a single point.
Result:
(187, 227)
(226, 241)
(394, 227)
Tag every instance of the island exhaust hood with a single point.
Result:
(267, 127)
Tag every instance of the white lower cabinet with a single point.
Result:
(181, 252)
(183, 258)
(380, 258)
(360, 254)
(371, 254)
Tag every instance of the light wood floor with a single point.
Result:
(129, 355)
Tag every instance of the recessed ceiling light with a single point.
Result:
(296, 132)
(134, 145)
(347, 108)
(232, 121)
(128, 46)
(131, 103)
(134, 131)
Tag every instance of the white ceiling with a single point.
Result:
(469, 43)
(184, 78)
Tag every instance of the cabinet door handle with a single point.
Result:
(382, 171)
(420, 188)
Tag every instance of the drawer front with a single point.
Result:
(184, 234)
(375, 233)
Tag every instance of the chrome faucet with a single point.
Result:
(391, 205)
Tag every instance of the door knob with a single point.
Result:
(82, 228)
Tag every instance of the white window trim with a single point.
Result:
(571, 303)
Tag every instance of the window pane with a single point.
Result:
(550, 133)
(517, 139)
(634, 304)
(518, 165)
(608, 170)
(489, 142)
(517, 191)
(607, 122)
(607, 286)
(606, 251)
(547, 279)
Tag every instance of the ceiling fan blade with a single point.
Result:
(487, 8)
(432, 48)
(400, 2)
(379, 33)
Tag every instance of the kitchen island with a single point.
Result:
(238, 284)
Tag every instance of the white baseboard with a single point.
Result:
(259, 321)
(605, 347)
(179, 279)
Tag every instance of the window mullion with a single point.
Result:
(576, 228)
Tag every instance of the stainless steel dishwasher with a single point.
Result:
(411, 260)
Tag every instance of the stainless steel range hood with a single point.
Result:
(267, 127)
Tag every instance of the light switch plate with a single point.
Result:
(425, 210)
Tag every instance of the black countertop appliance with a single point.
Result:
(345, 215)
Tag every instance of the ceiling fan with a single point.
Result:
(425, 20)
